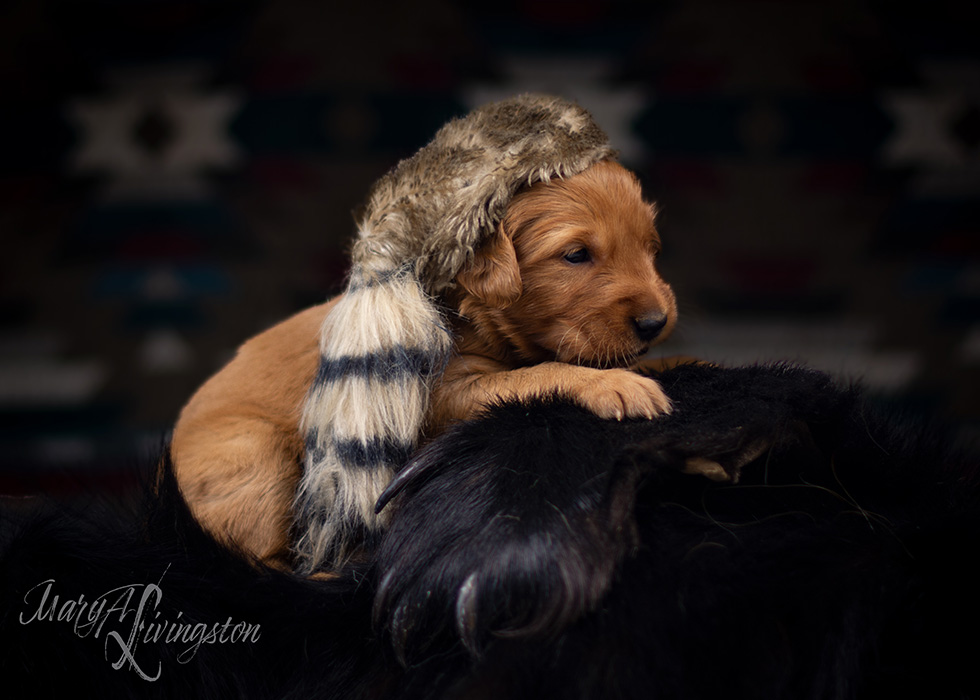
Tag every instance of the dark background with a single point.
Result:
(176, 176)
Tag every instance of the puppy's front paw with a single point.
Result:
(620, 393)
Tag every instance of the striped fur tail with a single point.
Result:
(385, 341)
(365, 409)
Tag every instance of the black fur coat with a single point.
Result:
(540, 552)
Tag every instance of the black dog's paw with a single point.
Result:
(514, 524)
(727, 466)
(724, 419)
(509, 526)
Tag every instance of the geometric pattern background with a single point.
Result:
(176, 176)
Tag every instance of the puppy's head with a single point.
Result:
(570, 273)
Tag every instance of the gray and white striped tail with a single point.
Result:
(381, 346)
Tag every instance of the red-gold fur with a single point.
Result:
(537, 315)
(532, 321)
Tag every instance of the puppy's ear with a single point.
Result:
(494, 276)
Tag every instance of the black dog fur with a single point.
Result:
(541, 552)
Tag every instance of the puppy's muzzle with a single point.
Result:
(649, 327)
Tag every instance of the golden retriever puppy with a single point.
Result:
(563, 298)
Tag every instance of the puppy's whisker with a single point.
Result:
(561, 341)
(599, 350)
(583, 346)
(578, 342)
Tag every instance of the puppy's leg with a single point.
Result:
(472, 382)
(236, 445)
(239, 477)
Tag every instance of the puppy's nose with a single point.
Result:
(648, 327)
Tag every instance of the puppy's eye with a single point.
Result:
(580, 255)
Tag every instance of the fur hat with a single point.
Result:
(386, 341)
